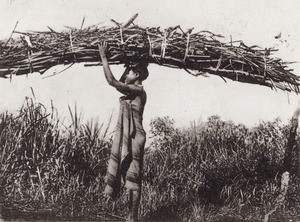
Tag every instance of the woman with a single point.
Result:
(126, 159)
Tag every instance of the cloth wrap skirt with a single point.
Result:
(126, 159)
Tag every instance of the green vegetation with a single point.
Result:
(210, 171)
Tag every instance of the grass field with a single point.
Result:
(211, 171)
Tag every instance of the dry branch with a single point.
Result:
(198, 53)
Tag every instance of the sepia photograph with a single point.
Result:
(158, 110)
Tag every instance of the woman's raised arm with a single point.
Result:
(120, 86)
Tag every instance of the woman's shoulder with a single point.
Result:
(142, 89)
(143, 93)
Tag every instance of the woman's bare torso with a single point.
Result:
(137, 103)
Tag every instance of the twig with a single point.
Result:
(82, 22)
(51, 30)
(116, 216)
(11, 34)
(59, 71)
(130, 20)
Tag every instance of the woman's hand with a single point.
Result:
(102, 46)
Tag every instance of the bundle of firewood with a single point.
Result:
(199, 53)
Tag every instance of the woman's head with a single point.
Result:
(133, 73)
(142, 71)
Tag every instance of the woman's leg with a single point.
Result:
(134, 204)
(136, 167)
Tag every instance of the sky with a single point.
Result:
(171, 92)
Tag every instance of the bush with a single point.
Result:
(212, 171)
(232, 169)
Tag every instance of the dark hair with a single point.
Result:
(141, 69)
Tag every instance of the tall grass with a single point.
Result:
(218, 170)
(46, 166)
(211, 171)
